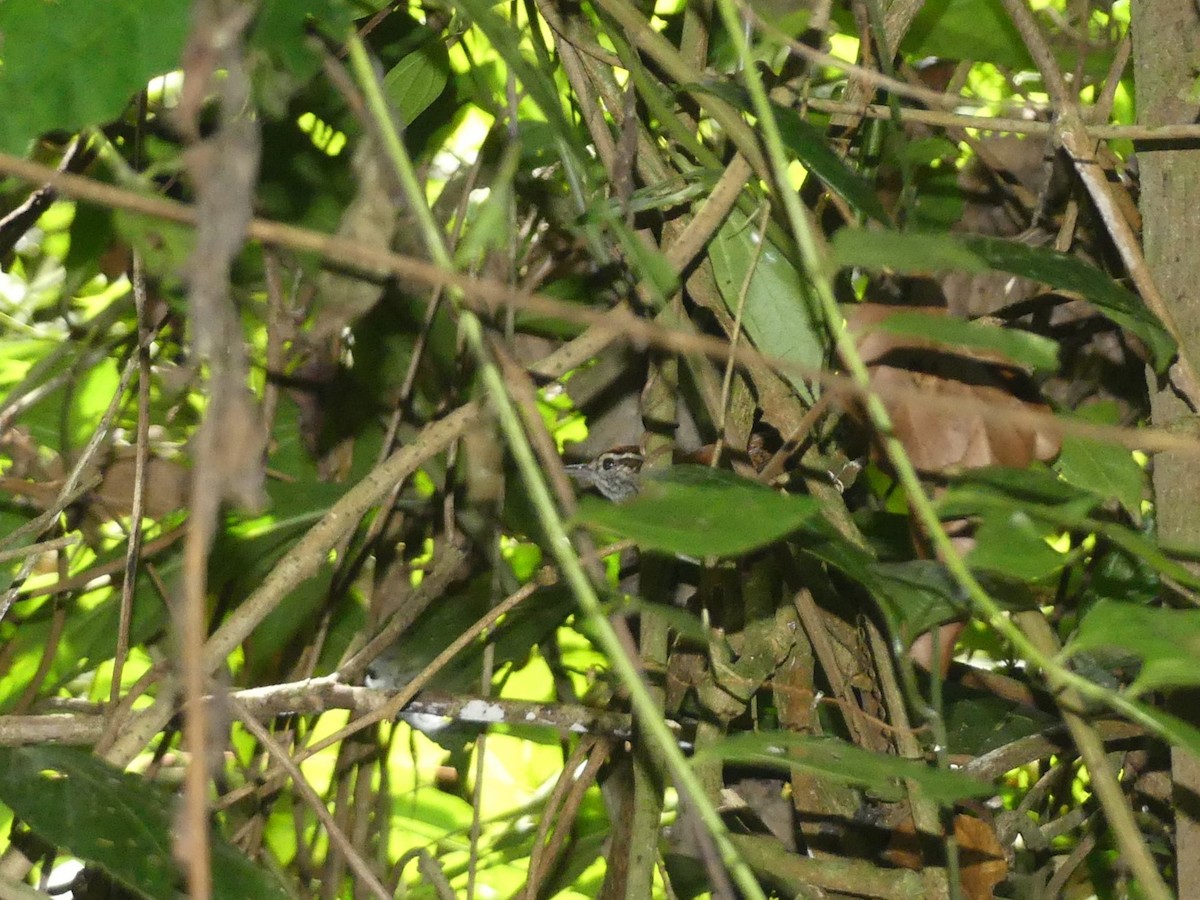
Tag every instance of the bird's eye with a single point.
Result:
(607, 464)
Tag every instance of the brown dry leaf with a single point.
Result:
(952, 433)
(167, 487)
(39, 494)
(982, 859)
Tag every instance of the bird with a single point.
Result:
(615, 473)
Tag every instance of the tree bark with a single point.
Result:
(1165, 35)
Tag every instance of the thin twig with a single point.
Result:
(610, 325)
(559, 541)
(313, 800)
(58, 543)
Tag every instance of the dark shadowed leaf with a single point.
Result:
(1167, 641)
(1073, 274)
(924, 253)
(281, 30)
(914, 596)
(699, 511)
(977, 723)
(1175, 730)
(115, 820)
(812, 149)
(828, 757)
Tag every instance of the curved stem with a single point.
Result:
(650, 717)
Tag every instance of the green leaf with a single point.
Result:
(507, 41)
(976, 30)
(778, 313)
(281, 30)
(164, 246)
(417, 80)
(682, 622)
(87, 638)
(646, 262)
(1019, 347)
(812, 149)
(1107, 470)
(902, 251)
(489, 227)
(828, 757)
(74, 63)
(681, 189)
(1037, 491)
(1014, 545)
(1176, 731)
(923, 253)
(977, 722)
(700, 511)
(1148, 551)
(115, 820)
(1167, 641)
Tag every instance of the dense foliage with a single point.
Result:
(305, 303)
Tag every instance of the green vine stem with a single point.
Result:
(650, 717)
(1062, 679)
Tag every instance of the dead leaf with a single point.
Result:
(952, 433)
(982, 859)
(166, 490)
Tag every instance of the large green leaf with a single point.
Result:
(903, 251)
(1015, 546)
(115, 820)
(777, 312)
(74, 63)
(281, 30)
(700, 511)
(828, 757)
(923, 253)
(977, 30)
(1002, 493)
(977, 723)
